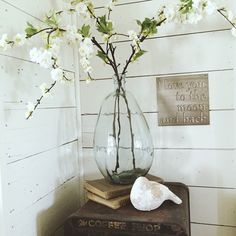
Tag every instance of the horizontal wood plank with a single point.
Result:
(21, 82)
(102, 3)
(174, 55)
(91, 171)
(196, 167)
(212, 230)
(48, 129)
(219, 134)
(46, 215)
(213, 206)
(203, 168)
(27, 181)
(35, 8)
(221, 84)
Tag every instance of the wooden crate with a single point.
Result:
(94, 219)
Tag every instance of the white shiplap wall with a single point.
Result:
(203, 157)
(39, 176)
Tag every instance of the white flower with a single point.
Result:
(44, 89)
(194, 18)
(72, 34)
(88, 69)
(170, 12)
(4, 42)
(56, 41)
(57, 74)
(30, 108)
(82, 10)
(19, 39)
(84, 62)
(233, 31)
(42, 57)
(106, 37)
(54, 49)
(210, 8)
(133, 35)
(231, 16)
(110, 4)
(45, 59)
(197, 4)
(88, 80)
(86, 48)
(35, 54)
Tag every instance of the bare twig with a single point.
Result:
(221, 12)
(40, 99)
(129, 60)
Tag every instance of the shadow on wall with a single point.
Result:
(65, 202)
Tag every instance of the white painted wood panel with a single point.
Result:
(196, 167)
(41, 181)
(36, 8)
(58, 167)
(2, 221)
(219, 134)
(101, 3)
(90, 168)
(212, 230)
(41, 221)
(205, 168)
(47, 129)
(221, 84)
(213, 206)
(22, 79)
(208, 51)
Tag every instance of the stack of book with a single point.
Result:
(111, 195)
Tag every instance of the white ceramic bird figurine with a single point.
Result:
(149, 195)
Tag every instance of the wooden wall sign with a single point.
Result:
(183, 100)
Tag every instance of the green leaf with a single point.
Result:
(139, 22)
(148, 26)
(102, 55)
(138, 55)
(52, 19)
(30, 30)
(187, 6)
(85, 31)
(104, 26)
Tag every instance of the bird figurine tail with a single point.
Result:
(174, 198)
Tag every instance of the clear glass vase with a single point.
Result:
(123, 146)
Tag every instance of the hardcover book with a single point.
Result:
(113, 203)
(107, 190)
(94, 219)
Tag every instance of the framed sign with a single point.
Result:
(183, 100)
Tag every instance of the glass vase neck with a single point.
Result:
(119, 82)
